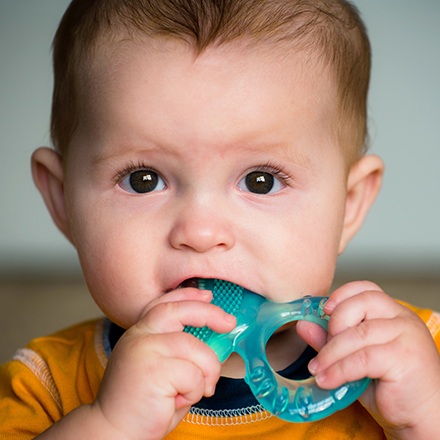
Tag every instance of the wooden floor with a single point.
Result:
(37, 307)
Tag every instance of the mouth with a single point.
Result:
(194, 282)
(190, 282)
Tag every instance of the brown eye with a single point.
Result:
(142, 181)
(260, 182)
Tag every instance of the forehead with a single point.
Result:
(236, 94)
(123, 67)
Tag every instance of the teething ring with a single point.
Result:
(257, 321)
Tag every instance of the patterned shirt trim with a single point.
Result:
(227, 417)
(40, 369)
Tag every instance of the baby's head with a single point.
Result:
(212, 139)
(329, 34)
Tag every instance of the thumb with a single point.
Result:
(312, 334)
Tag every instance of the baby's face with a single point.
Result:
(218, 166)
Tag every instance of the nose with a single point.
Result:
(201, 229)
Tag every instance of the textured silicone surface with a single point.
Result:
(257, 320)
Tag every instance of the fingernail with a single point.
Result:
(320, 378)
(329, 306)
(230, 318)
(313, 366)
(211, 392)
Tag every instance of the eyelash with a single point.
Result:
(276, 170)
(130, 168)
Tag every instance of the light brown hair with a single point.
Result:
(330, 30)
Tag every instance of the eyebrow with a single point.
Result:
(121, 150)
(285, 152)
(298, 157)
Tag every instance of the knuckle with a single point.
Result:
(368, 287)
(362, 331)
(355, 366)
(363, 358)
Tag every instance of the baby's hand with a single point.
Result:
(371, 335)
(156, 372)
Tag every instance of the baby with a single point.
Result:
(214, 139)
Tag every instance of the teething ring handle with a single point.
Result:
(291, 400)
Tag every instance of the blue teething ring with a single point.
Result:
(257, 320)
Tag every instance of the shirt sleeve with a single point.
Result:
(50, 377)
(28, 405)
(430, 318)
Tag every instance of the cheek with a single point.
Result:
(309, 264)
(116, 265)
(112, 280)
(305, 251)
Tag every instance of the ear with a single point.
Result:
(363, 185)
(48, 175)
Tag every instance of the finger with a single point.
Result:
(350, 289)
(198, 354)
(347, 291)
(175, 315)
(182, 294)
(313, 334)
(145, 353)
(371, 361)
(173, 388)
(354, 339)
(366, 305)
(186, 382)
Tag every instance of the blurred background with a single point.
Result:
(41, 288)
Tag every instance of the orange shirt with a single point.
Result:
(55, 374)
